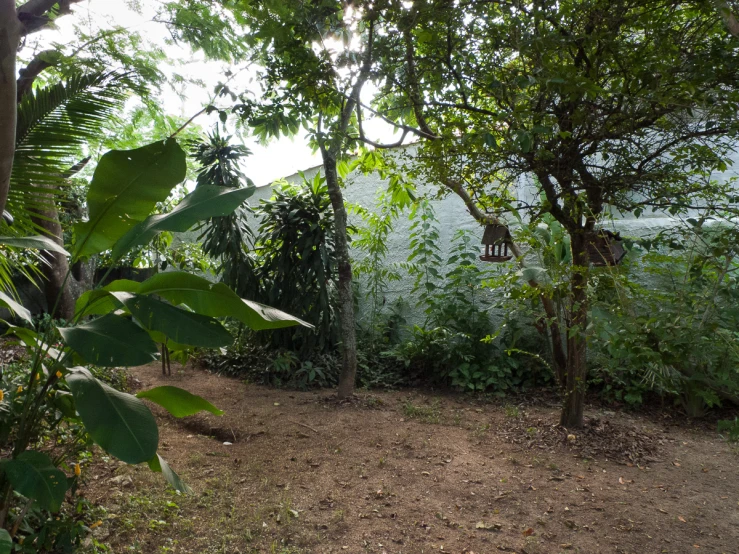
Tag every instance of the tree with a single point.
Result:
(306, 80)
(604, 106)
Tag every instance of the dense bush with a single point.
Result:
(670, 324)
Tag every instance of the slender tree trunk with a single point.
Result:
(559, 355)
(577, 369)
(55, 271)
(346, 300)
(10, 32)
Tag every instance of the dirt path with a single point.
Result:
(408, 473)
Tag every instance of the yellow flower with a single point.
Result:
(20, 389)
(77, 470)
(58, 374)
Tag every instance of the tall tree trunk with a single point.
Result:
(10, 32)
(346, 300)
(58, 291)
(577, 369)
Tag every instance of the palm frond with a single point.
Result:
(55, 124)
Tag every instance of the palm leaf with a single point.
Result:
(55, 124)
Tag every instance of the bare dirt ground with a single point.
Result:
(406, 472)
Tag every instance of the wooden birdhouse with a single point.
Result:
(497, 239)
(605, 248)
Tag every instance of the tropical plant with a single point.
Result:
(370, 248)
(226, 239)
(115, 325)
(294, 264)
(670, 327)
(55, 123)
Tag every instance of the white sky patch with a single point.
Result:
(279, 158)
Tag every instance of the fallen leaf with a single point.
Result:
(681, 518)
(528, 532)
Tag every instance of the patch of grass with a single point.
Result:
(481, 430)
(511, 411)
(426, 414)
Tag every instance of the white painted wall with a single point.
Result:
(452, 215)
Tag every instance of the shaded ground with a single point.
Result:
(409, 473)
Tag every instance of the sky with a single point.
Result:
(278, 159)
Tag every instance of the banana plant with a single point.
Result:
(119, 325)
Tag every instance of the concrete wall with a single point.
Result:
(453, 216)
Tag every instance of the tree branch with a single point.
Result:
(732, 24)
(28, 74)
(34, 14)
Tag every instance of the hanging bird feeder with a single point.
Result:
(605, 248)
(497, 239)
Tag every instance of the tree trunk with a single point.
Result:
(58, 290)
(346, 300)
(10, 31)
(559, 356)
(577, 369)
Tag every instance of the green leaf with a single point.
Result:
(182, 326)
(15, 307)
(215, 300)
(179, 402)
(36, 243)
(125, 188)
(119, 423)
(204, 202)
(111, 341)
(100, 301)
(33, 475)
(158, 465)
(6, 543)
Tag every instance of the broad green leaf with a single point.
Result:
(110, 341)
(15, 307)
(6, 543)
(179, 402)
(204, 202)
(32, 340)
(119, 423)
(33, 475)
(125, 188)
(36, 242)
(100, 301)
(158, 465)
(182, 326)
(215, 300)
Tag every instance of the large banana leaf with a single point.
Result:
(111, 341)
(125, 189)
(119, 423)
(215, 300)
(179, 402)
(33, 475)
(181, 326)
(204, 202)
(158, 465)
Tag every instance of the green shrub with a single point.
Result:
(678, 336)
